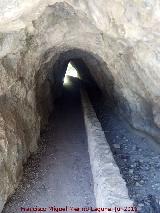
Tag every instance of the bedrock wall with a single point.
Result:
(119, 40)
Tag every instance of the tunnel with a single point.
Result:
(62, 171)
(79, 106)
(91, 69)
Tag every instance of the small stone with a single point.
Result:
(116, 146)
(134, 148)
(138, 184)
(140, 204)
(142, 181)
(131, 171)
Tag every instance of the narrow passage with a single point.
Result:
(59, 174)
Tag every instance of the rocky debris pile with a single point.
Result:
(137, 156)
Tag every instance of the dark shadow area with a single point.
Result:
(50, 83)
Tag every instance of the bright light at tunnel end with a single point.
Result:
(71, 71)
(66, 80)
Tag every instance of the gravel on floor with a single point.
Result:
(137, 155)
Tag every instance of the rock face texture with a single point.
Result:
(119, 42)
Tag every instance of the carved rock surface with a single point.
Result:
(119, 41)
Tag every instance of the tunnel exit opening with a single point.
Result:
(91, 70)
(70, 72)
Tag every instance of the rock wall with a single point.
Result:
(119, 42)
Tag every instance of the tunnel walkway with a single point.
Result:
(60, 173)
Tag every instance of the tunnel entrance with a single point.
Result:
(71, 71)
(60, 173)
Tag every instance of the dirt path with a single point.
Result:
(60, 173)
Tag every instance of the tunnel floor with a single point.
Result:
(59, 174)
